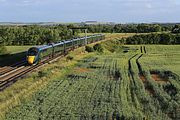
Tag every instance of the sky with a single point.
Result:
(119, 11)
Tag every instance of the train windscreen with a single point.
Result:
(32, 52)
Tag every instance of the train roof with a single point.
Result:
(39, 48)
(43, 47)
(59, 43)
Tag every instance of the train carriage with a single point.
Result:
(90, 40)
(46, 51)
(37, 54)
(76, 43)
(59, 48)
(68, 45)
(82, 41)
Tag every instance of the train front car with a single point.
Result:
(32, 55)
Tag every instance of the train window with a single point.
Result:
(32, 52)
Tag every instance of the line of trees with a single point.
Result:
(38, 35)
(34, 35)
(129, 28)
(154, 38)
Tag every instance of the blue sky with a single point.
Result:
(120, 11)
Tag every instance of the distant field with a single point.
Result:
(113, 34)
(16, 49)
(128, 82)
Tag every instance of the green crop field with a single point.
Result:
(124, 82)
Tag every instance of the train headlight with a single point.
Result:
(31, 59)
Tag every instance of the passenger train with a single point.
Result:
(36, 55)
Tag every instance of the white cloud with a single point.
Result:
(26, 2)
(148, 5)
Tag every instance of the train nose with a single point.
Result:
(31, 59)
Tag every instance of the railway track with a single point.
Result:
(10, 77)
(7, 69)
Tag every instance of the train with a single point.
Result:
(36, 55)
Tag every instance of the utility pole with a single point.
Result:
(81, 28)
(85, 37)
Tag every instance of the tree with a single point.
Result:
(165, 39)
(176, 29)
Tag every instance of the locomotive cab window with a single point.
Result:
(32, 52)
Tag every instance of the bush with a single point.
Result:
(89, 49)
(98, 48)
(42, 74)
(3, 50)
(69, 58)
